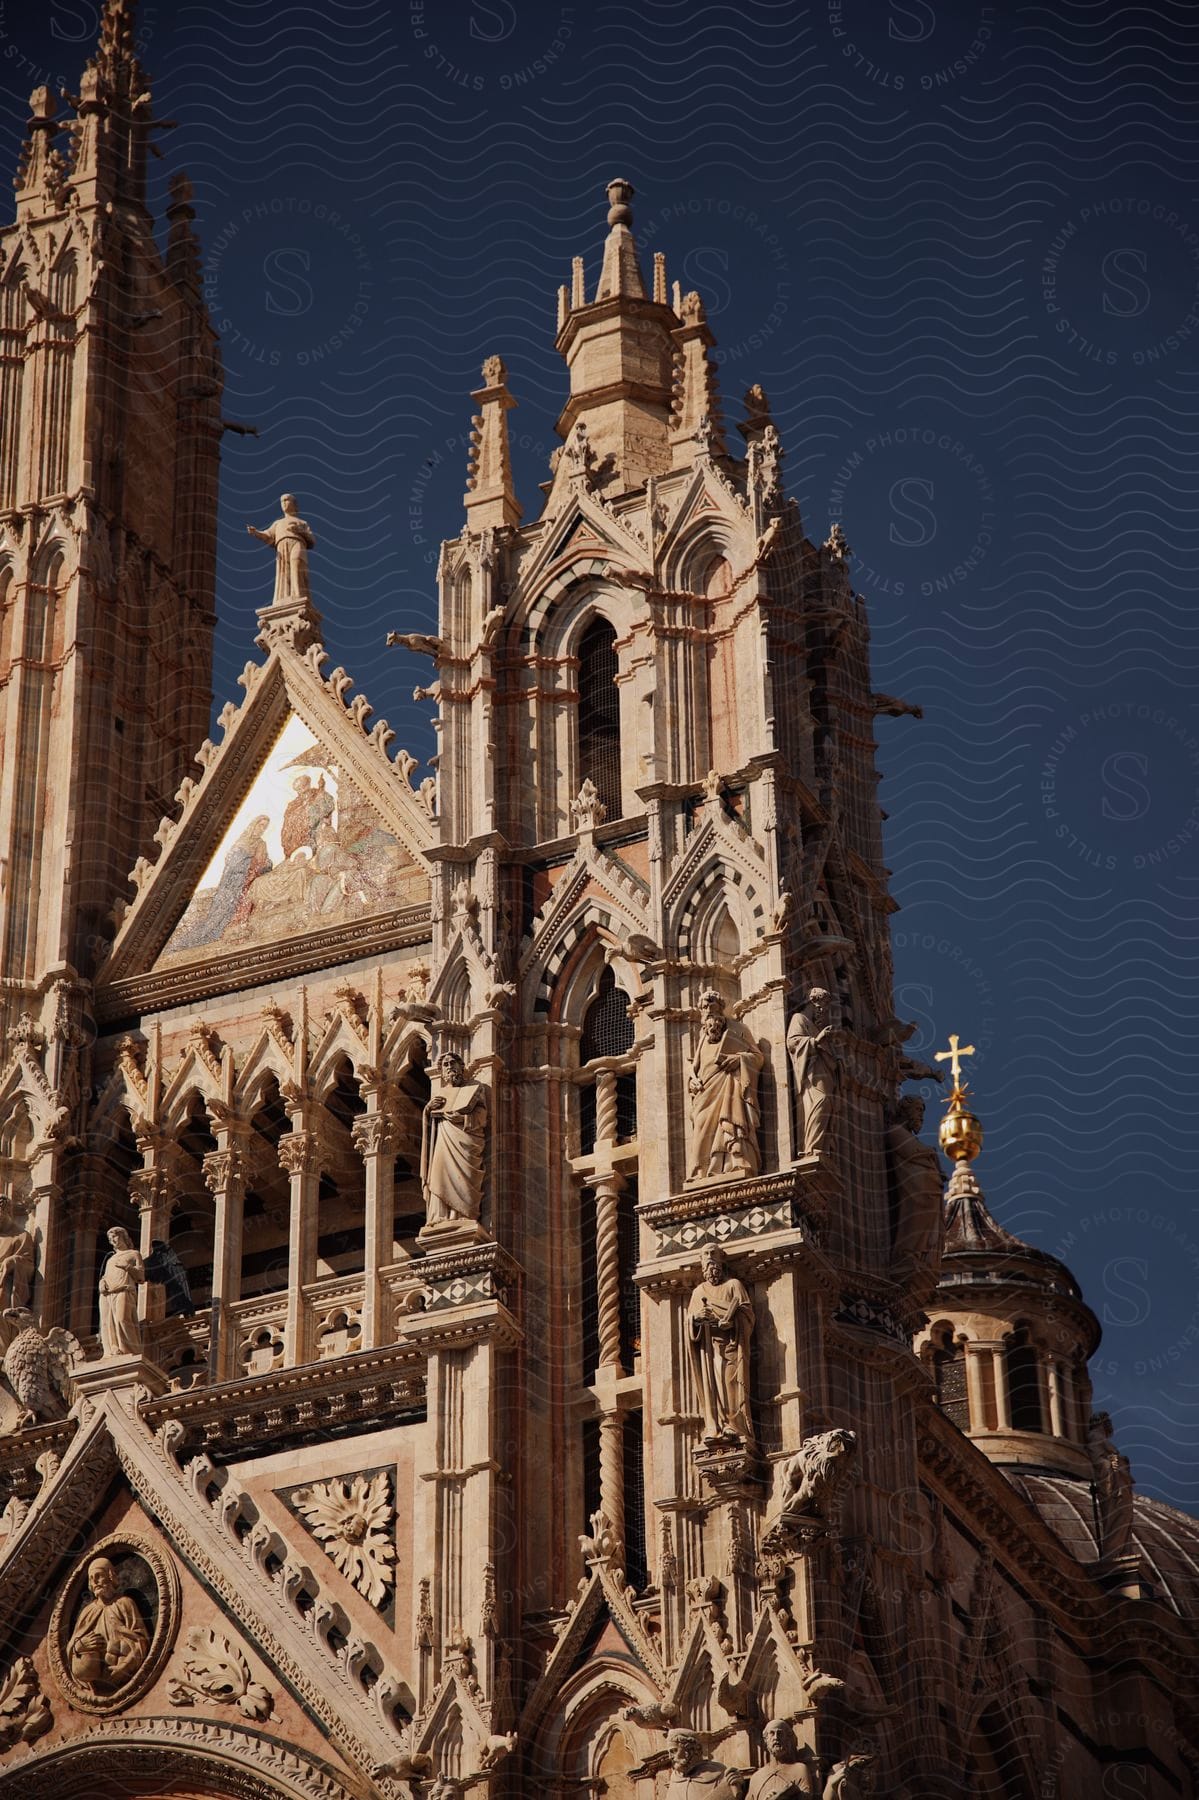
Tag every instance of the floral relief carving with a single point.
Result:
(24, 1710)
(353, 1522)
(214, 1670)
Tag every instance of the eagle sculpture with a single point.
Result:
(37, 1368)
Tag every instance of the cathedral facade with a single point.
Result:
(477, 1314)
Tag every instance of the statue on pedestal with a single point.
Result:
(453, 1139)
(788, 1773)
(724, 1096)
(123, 1274)
(720, 1322)
(17, 1260)
(815, 1046)
(292, 540)
(919, 1190)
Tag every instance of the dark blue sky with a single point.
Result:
(959, 246)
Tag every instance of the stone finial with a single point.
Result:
(490, 497)
(619, 194)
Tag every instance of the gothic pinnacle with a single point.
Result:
(490, 496)
(620, 273)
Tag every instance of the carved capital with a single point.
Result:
(223, 1169)
(149, 1190)
(374, 1134)
(298, 1153)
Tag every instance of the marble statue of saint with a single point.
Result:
(109, 1642)
(453, 1136)
(788, 1773)
(720, 1321)
(919, 1190)
(17, 1258)
(815, 1046)
(292, 540)
(1112, 1474)
(123, 1274)
(693, 1776)
(724, 1096)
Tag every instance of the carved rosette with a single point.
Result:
(353, 1522)
(147, 1595)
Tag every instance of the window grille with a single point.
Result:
(599, 715)
(951, 1386)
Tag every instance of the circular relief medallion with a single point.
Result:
(113, 1624)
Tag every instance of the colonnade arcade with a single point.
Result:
(286, 1184)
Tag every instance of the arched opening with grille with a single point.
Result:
(1024, 1382)
(949, 1373)
(599, 714)
(608, 1031)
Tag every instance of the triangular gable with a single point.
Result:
(304, 849)
(300, 828)
(706, 499)
(583, 528)
(600, 1596)
(344, 1682)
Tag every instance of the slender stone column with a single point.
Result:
(299, 1156)
(225, 1173)
(374, 1138)
(974, 1386)
(1003, 1405)
(45, 1221)
(606, 1186)
(1057, 1415)
(155, 1195)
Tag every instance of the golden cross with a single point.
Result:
(953, 1057)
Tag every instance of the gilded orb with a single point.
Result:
(961, 1134)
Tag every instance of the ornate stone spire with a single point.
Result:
(41, 172)
(619, 353)
(490, 496)
(113, 124)
(696, 426)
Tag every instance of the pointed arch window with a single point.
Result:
(599, 715)
(608, 1031)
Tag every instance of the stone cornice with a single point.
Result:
(291, 1405)
(264, 964)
